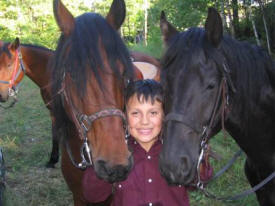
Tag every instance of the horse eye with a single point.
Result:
(210, 86)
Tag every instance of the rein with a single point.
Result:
(17, 69)
(84, 123)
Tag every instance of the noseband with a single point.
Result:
(205, 131)
(83, 124)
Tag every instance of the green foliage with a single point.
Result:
(33, 20)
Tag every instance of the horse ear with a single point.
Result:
(213, 27)
(116, 15)
(63, 17)
(167, 30)
(15, 44)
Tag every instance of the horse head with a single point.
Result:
(10, 68)
(192, 77)
(90, 69)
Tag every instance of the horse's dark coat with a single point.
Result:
(193, 67)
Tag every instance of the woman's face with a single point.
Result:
(144, 120)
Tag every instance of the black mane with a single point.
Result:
(81, 51)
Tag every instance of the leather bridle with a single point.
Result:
(83, 124)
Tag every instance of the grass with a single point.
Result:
(25, 135)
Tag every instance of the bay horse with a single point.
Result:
(212, 81)
(90, 69)
(16, 60)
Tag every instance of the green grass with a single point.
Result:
(25, 135)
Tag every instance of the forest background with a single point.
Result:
(33, 21)
(25, 129)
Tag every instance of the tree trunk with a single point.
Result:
(224, 22)
(145, 21)
(265, 26)
(235, 21)
(232, 29)
(253, 25)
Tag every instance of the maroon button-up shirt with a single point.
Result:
(144, 185)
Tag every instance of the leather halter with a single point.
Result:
(17, 69)
(83, 124)
(13, 89)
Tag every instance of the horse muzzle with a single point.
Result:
(112, 173)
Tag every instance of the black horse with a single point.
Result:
(212, 81)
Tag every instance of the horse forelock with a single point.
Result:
(81, 53)
(181, 53)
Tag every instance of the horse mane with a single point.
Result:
(79, 55)
(37, 47)
(251, 68)
(5, 49)
(80, 52)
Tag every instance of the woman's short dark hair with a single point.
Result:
(144, 89)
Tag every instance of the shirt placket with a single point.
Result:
(149, 179)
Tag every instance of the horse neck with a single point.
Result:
(35, 60)
(254, 132)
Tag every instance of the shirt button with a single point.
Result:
(148, 157)
(150, 180)
(119, 186)
(150, 204)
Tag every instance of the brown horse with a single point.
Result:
(90, 68)
(18, 59)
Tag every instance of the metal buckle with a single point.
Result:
(84, 121)
(12, 92)
(85, 150)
